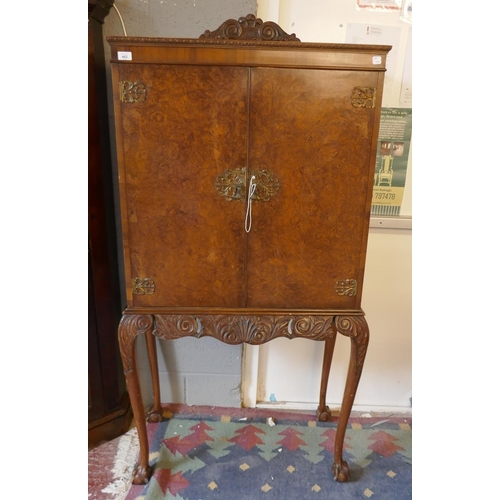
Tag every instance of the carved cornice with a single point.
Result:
(249, 28)
(244, 329)
(130, 326)
(129, 40)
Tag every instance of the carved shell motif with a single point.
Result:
(250, 28)
(244, 329)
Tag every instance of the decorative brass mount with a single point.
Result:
(232, 185)
(363, 97)
(349, 287)
(143, 286)
(132, 91)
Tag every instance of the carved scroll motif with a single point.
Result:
(176, 327)
(250, 28)
(363, 97)
(356, 328)
(132, 91)
(130, 326)
(244, 329)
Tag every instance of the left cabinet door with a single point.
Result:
(178, 129)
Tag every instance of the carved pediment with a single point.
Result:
(250, 28)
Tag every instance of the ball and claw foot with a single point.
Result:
(341, 472)
(154, 417)
(323, 413)
(141, 475)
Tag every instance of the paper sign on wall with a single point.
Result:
(392, 161)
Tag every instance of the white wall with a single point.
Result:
(290, 371)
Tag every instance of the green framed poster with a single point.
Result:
(392, 161)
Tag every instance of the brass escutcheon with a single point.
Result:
(232, 184)
(267, 185)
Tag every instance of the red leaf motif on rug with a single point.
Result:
(247, 437)
(174, 483)
(179, 445)
(291, 440)
(329, 443)
(188, 443)
(199, 435)
(383, 444)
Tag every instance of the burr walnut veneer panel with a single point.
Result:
(191, 127)
(304, 129)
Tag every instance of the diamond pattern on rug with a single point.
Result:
(203, 457)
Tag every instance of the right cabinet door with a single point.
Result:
(306, 248)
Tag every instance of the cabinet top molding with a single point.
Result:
(295, 45)
(217, 52)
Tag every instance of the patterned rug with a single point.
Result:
(203, 453)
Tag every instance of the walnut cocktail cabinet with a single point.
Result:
(246, 163)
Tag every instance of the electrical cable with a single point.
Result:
(121, 19)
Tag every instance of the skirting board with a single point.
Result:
(249, 389)
(335, 409)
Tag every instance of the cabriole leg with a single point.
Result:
(155, 414)
(323, 412)
(132, 325)
(356, 328)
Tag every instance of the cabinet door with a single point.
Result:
(309, 238)
(182, 127)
